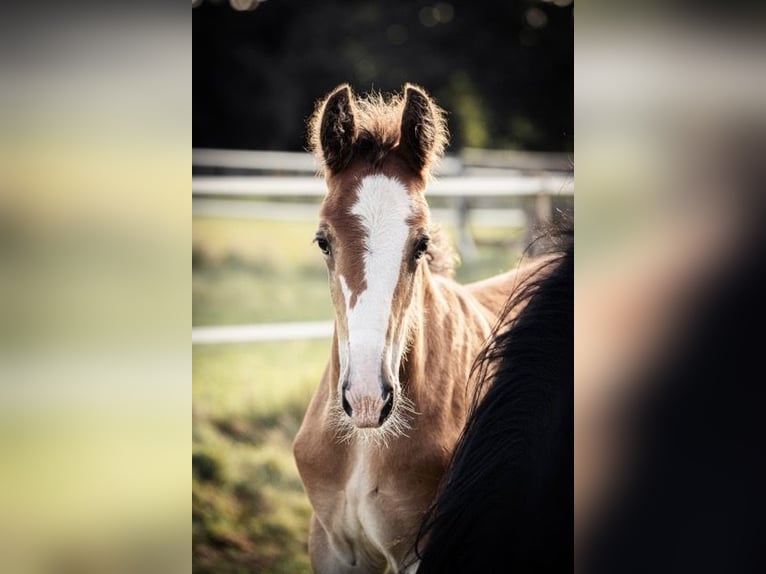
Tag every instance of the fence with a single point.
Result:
(235, 183)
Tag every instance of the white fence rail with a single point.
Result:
(261, 332)
(454, 187)
(470, 161)
(282, 161)
(237, 208)
(254, 160)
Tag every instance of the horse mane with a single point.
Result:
(378, 120)
(506, 497)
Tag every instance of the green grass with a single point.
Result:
(249, 511)
(257, 271)
(255, 379)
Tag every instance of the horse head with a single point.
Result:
(374, 236)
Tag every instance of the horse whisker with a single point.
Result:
(397, 425)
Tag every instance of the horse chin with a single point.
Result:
(365, 422)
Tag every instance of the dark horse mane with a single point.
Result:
(505, 503)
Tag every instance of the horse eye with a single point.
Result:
(324, 245)
(421, 247)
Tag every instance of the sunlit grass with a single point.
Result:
(255, 378)
(257, 271)
(237, 296)
(280, 244)
(249, 509)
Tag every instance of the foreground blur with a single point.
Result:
(671, 125)
(94, 289)
(95, 299)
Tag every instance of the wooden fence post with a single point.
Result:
(465, 241)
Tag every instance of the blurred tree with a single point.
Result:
(504, 70)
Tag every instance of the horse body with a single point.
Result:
(492, 293)
(369, 498)
(382, 424)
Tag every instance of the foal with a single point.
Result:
(381, 426)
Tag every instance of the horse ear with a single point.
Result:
(336, 128)
(423, 132)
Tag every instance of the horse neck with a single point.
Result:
(447, 329)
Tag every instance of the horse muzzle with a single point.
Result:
(368, 408)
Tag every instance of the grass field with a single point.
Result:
(250, 513)
(249, 510)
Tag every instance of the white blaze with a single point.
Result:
(383, 208)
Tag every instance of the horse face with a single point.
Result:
(373, 233)
(373, 241)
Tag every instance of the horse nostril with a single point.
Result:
(346, 406)
(388, 396)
